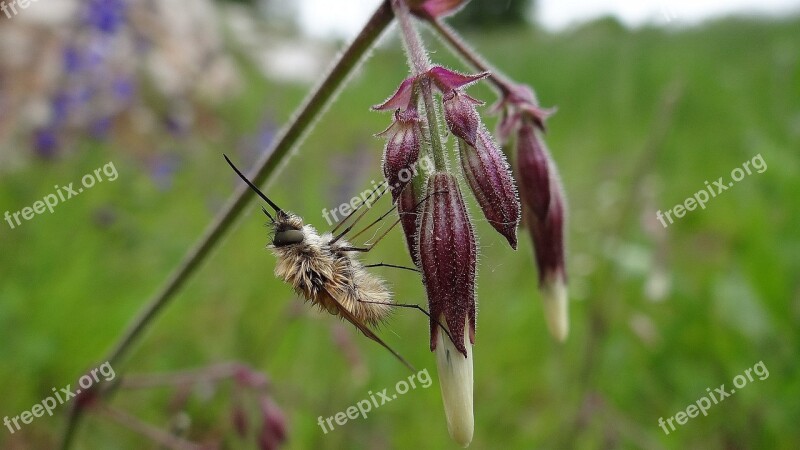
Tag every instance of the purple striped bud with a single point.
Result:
(534, 167)
(489, 176)
(239, 420)
(448, 256)
(518, 104)
(403, 142)
(548, 242)
(460, 114)
(544, 208)
(273, 432)
(408, 209)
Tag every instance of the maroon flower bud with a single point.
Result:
(507, 124)
(460, 114)
(239, 420)
(548, 243)
(548, 240)
(403, 142)
(432, 9)
(247, 377)
(408, 209)
(273, 431)
(518, 104)
(448, 256)
(489, 176)
(534, 168)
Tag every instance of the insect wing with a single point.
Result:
(367, 332)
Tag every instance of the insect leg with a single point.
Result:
(369, 247)
(358, 218)
(363, 202)
(404, 305)
(393, 266)
(375, 222)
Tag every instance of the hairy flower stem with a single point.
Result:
(265, 168)
(420, 63)
(433, 127)
(417, 56)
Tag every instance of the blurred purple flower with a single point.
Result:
(266, 134)
(60, 107)
(73, 60)
(123, 88)
(99, 128)
(255, 144)
(162, 170)
(105, 15)
(97, 51)
(45, 142)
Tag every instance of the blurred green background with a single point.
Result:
(657, 315)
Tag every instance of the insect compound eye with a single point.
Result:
(288, 237)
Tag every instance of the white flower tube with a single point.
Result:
(556, 306)
(456, 381)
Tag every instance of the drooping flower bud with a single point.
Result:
(408, 209)
(239, 420)
(548, 242)
(548, 237)
(448, 255)
(456, 381)
(489, 176)
(273, 431)
(448, 258)
(403, 142)
(517, 104)
(460, 114)
(433, 9)
(534, 167)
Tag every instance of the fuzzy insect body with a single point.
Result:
(328, 275)
(324, 269)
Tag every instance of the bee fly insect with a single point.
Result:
(325, 270)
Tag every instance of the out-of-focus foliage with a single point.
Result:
(120, 70)
(658, 315)
(484, 14)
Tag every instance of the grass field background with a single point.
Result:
(657, 315)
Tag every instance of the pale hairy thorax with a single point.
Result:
(321, 271)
